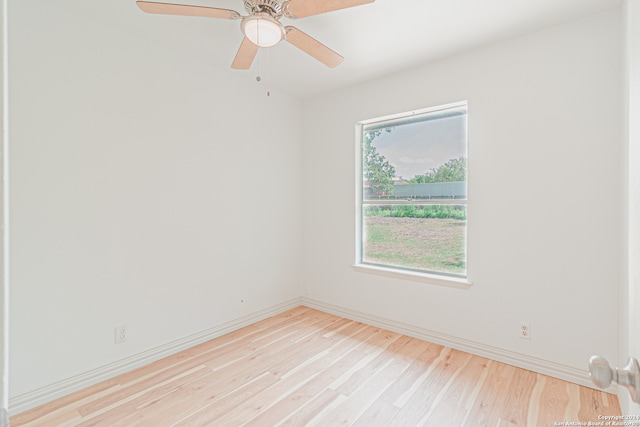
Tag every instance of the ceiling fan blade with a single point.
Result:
(246, 54)
(313, 47)
(303, 8)
(187, 10)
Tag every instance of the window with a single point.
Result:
(412, 192)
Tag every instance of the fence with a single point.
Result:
(438, 190)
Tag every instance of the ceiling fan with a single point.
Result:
(262, 27)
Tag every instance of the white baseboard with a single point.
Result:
(31, 399)
(541, 366)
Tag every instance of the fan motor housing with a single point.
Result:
(272, 7)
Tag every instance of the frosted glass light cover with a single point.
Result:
(263, 32)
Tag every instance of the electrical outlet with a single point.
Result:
(525, 331)
(119, 334)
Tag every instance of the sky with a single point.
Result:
(415, 148)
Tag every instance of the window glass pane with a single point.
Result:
(414, 162)
(420, 237)
(424, 159)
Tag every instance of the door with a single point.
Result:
(631, 13)
(4, 286)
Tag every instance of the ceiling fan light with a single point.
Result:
(262, 30)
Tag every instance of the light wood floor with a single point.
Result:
(308, 368)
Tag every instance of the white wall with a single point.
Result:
(545, 194)
(147, 190)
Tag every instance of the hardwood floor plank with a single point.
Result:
(492, 398)
(462, 389)
(473, 396)
(572, 410)
(419, 369)
(379, 413)
(370, 365)
(429, 418)
(309, 368)
(303, 416)
(535, 400)
(366, 393)
(553, 401)
(445, 414)
(366, 366)
(594, 403)
(519, 397)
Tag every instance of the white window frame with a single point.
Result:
(435, 278)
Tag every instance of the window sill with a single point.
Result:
(433, 279)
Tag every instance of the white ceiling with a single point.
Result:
(376, 39)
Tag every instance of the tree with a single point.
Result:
(452, 171)
(377, 170)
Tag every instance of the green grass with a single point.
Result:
(417, 211)
(431, 244)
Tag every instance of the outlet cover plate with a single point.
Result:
(119, 334)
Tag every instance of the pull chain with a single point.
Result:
(258, 78)
(267, 72)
